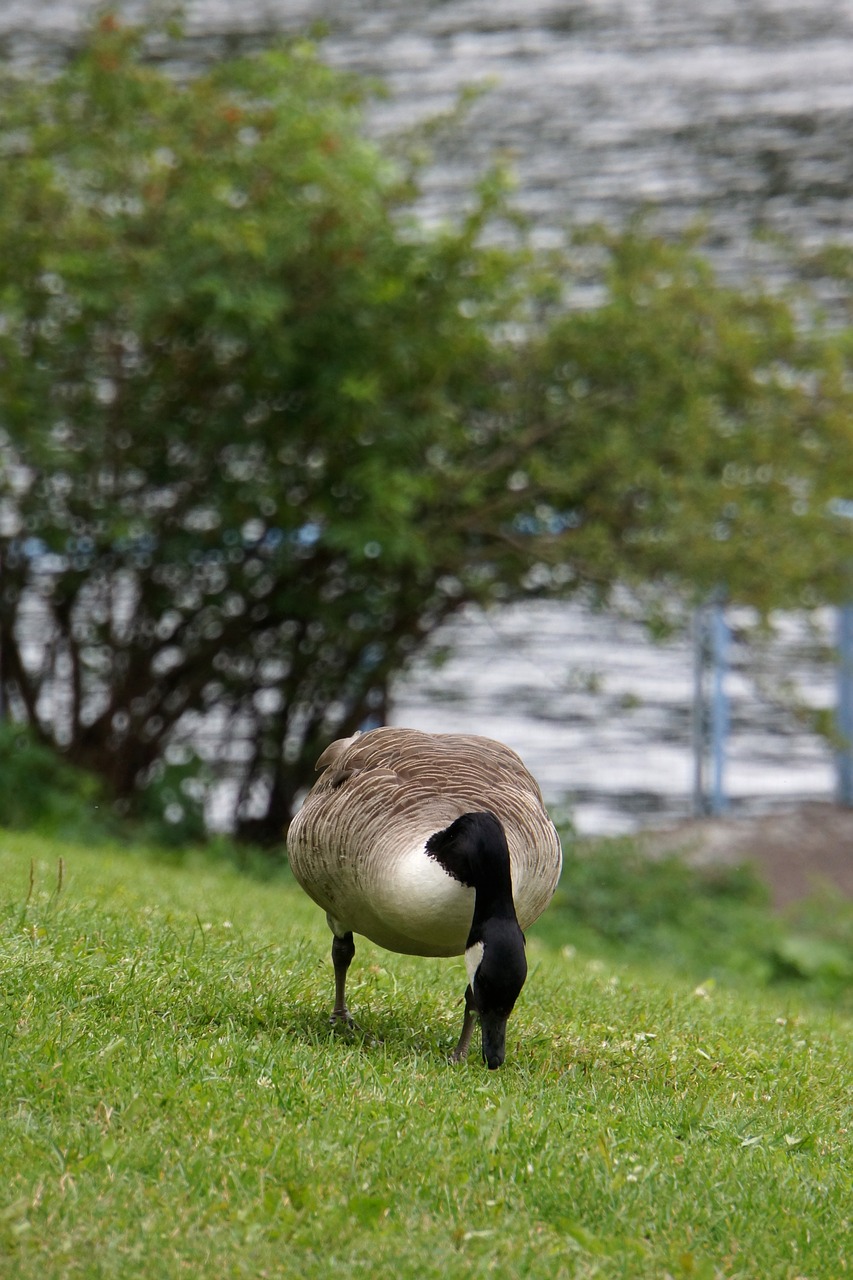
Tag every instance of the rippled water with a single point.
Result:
(741, 109)
(738, 110)
(603, 715)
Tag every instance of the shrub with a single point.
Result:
(41, 791)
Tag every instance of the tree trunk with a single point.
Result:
(268, 830)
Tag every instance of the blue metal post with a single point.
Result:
(698, 719)
(719, 707)
(844, 709)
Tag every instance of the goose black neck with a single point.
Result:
(473, 849)
(493, 893)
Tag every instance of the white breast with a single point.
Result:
(419, 900)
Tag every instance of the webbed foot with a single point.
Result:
(460, 1053)
(342, 1019)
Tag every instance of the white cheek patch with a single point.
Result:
(473, 956)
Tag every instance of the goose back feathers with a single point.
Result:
(367, 843)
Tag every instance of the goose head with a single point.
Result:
(474, 850)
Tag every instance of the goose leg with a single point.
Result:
(460, 1053)
(343, 950)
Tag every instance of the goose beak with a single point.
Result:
(493, 1027)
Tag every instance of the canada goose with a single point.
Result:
(431, 845)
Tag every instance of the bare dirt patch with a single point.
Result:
(796, 853)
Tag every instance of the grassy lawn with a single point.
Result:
(174, 1104)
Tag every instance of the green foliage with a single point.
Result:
(817, 946)
(174, 1102)
(230, 367)
(170, 808)
(709, 429)
(41, 791)
(261, 432)
(707, 923)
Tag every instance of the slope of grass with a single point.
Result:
(173, 1102)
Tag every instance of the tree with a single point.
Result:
(707, 429)
(228, 367)
(262, 433)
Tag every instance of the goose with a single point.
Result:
(430, 844)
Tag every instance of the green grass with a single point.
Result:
(174, 1104)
